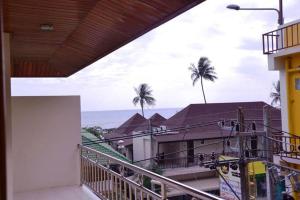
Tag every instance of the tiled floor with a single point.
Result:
(59, 193)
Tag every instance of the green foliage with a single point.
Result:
(96, 131)
(147, 180)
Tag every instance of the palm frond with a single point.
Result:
(276, 94)
(144, 95)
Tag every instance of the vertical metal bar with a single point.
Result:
(142, 194)
(282, 39)
(92, 173)
(135, 193)
(105, 183)
(110, 186)
(102, 180)
(97, 177)
(125, 190)
(121, 189)
(130, 192)
(272, 37)
(268, 43)
(81, 167)
(263, 41)
(116, 187)
(297, 33)
(163, 192)
(292, 34)
(88, 173)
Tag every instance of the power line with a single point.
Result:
(235, 194)
(156, 133)
(175, 152)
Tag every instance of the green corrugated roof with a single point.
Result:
(87, 140)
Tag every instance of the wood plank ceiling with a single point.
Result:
(83, 30)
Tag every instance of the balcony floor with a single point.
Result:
(59, 193)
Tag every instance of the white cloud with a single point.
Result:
(160, 58)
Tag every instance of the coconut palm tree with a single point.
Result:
(275, 95)
(144, 96)
(203, 71)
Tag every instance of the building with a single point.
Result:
(199, 129)
(200, 125)
(39, 138)
(282, 46)
(135, 124)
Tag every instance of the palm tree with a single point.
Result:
(203, 71)
(275, 95)
(144, 96)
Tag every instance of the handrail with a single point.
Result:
(282, 38)
(164, 180)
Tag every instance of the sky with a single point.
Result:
(230, 39)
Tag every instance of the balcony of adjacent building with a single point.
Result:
(279, 43)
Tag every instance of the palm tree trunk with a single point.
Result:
(203, 90)
(142, 106)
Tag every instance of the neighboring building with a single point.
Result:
(208, 118)
(124, 130)
(283, 49)
(136, 123)
(197, 129)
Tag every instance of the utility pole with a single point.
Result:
(268, 153)
(280, 13)
(243, 165)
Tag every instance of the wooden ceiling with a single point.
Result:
(83, 30)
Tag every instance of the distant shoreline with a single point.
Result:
(114, 118)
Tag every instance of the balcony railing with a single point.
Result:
(281, 38)
(287, 146)
(114, 179)
(190, 161)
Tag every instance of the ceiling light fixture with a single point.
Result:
(46, 27)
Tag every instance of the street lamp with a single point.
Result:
(279, 11)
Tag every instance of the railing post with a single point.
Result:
(81, 166)
(163, 191)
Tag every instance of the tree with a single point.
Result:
(275, 95)
(144, 96)
(203, 71)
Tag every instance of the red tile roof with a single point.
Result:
(157, 120)
(205, 113)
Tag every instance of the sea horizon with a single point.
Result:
(114, 118)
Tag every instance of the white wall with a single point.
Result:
(142, 149)
(45, 134)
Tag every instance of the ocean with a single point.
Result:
(114, 118)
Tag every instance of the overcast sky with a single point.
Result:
(230, 39)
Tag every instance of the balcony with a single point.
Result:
(111, 178)
(281, 39)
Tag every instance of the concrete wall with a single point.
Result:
(45, 134)
(142, 149)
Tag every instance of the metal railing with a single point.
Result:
(281, 38)
(114, 179)
(287, 146)
(189, 161)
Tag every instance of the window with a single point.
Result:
(201, 141)
(297, 83)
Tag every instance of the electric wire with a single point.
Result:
(155, 133)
